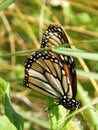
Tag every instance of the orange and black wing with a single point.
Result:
(55, 36)
(45, 74)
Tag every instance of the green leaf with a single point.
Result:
(3, 86)
(59, 118)
(14, 117)
(5, 124)
(53, 113)
(57, 115)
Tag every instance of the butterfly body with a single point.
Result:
(52, 74)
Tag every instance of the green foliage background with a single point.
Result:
(21, 28)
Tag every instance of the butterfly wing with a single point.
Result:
(45, 74)
(55, 36)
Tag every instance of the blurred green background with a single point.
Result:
(21, 28)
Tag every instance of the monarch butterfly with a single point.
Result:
(52, 74)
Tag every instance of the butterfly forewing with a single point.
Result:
(54, 36)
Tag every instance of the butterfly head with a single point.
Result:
(69, 103)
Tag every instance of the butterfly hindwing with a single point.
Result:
(45, 74)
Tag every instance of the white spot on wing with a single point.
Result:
(72, 59)
(56, 61)
(62, 57)
(68, 80)
(63, 72)
(50, 33)
(28, 65)
(66, 58)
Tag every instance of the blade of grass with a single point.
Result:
(5, 4)
(76, 53)
(59, 50)
(91, 114)
(87, 74)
